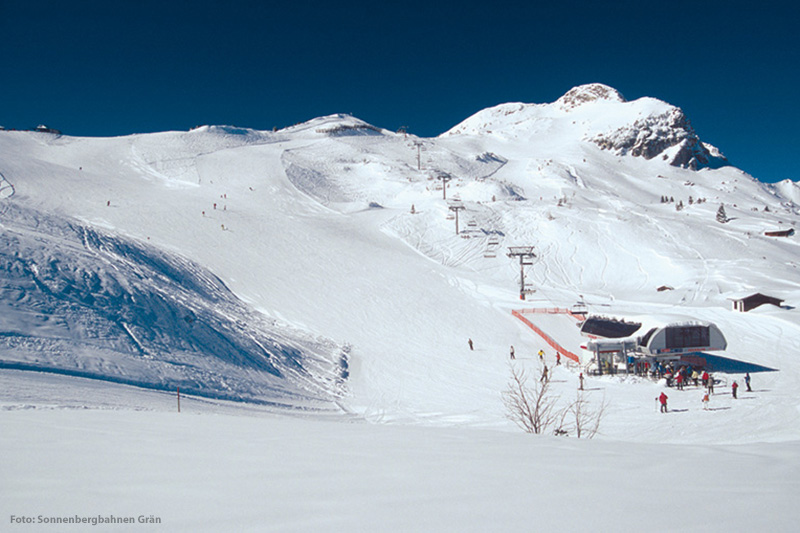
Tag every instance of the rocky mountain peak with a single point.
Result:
(669, 135)
(592, 92)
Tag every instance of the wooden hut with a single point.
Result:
(746, 303)
(780, 233)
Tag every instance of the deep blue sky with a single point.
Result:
(98, 68)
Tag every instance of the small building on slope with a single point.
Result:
(744, 304)
(780, 233)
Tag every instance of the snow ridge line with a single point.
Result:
(547, 338)
(186, 390)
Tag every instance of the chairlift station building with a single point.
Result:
(615, 341)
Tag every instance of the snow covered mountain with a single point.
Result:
(319, 264)
(597, 113)
(316, 272)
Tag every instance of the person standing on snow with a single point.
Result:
(469, 341)
(705, 401)
(734, 388)
(580, 378)
(558, 358)
(512, 352)
(710, 384)
(544, 375)
(663, 400)
(541, 356)
(747, 381)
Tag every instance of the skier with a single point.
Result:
(663, 400)
(512, 352)
(679, 379)
(541, 356)
(734, 388)
(469, 341)
(705, 378)
(705, 401)
(710, 384)
(747, 381)
(580, 377)
(544, 374)
(558, 358)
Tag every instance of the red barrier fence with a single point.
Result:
(549, 340)
(554, 311)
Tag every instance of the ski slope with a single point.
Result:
(284, 272)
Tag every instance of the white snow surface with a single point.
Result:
(318, 328)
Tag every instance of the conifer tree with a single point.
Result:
(722, 216)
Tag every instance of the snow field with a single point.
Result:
(200, 471)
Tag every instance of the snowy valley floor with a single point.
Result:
(221, 466)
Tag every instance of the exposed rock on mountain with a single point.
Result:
(592, 92)
(597, 113)
(669, 135)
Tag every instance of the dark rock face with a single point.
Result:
(654, 135)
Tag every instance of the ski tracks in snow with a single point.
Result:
(6, 188)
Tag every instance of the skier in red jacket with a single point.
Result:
(663, 400)
(734, 388)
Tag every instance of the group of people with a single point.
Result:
(708, 383)
(682, 376)
(735, 386)
(545, 371)
(513, 355)
(666, 371)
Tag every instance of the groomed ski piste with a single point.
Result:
(318, 327)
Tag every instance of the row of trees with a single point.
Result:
(671, 200)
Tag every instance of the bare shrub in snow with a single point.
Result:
(586, 420)
(532, 408)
